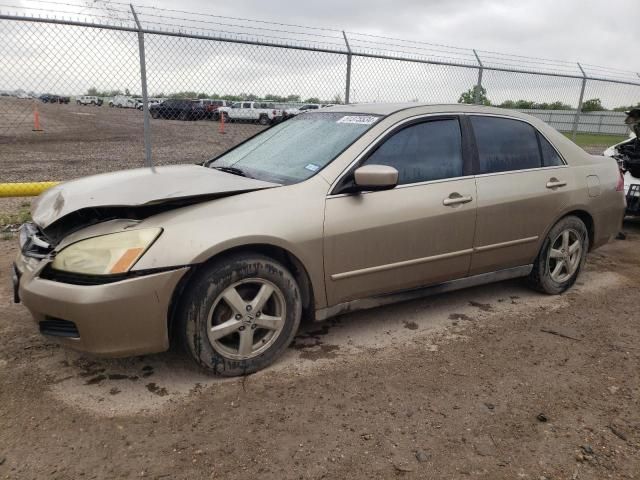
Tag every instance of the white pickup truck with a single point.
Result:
(261, 112)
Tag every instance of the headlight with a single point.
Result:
(107, 254)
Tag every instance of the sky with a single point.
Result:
(553, 34)
(595, 32)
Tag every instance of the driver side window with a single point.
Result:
(423, 152)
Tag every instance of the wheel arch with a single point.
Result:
(583, 214)
(286, 257)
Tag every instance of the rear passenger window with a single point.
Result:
(550, 157)
(505, 145)
(423, 152)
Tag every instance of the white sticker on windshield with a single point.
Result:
(313, 167)
(359, 119)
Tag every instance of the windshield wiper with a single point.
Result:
(233, 171)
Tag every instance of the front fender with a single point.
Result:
(290, 218)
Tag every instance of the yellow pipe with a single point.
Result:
(31, 189)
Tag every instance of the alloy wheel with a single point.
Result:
(565, 255)
(246, 319)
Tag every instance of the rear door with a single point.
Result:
(523, 185)
(420, 232)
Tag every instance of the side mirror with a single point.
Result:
(375, 177)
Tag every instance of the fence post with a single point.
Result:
(348, 83)
(574, 130)
(478, 89)
(145, 99)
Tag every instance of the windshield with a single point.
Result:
(295, 150)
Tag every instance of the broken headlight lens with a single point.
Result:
(107, 254)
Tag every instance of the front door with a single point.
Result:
(417, 234)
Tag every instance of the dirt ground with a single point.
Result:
(495, 382)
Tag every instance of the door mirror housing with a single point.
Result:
(375, 178)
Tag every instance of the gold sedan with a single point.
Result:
(337, 209)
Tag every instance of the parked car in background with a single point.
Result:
(24, 96)
(49, 98)
(291, 111)
(211, 107)
(152, 101)
(123, 101)
(262, 112)
(178, 110)
(89, 100)
(336, 210)
(627, 154)
(288, 111)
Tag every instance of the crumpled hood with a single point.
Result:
(137, 188)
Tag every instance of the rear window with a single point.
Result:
(505, 145)
(550, 157)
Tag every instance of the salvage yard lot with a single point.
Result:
(495, 382)
(82, 140)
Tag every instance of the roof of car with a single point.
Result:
(389, 108)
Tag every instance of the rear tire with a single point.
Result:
(561, 257)
(263, 120)
(258, 301)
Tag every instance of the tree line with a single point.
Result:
(591, 105)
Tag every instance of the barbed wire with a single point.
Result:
(293, 34)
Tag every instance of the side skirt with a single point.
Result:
(403, 296)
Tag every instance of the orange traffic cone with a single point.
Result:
(36, 119)
(221, 126)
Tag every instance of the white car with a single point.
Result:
(262, 112)
(88, 100)
(308, 107)
(631, 176)
(122, 101)
(24, 96)
(150, 101)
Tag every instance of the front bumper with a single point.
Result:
(117, 319)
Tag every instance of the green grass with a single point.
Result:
(19, 217)
(589, 139)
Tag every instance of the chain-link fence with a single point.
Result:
(106, 85)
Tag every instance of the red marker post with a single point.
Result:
(36, 119)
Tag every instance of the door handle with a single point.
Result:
(555, 183)
(456, 199)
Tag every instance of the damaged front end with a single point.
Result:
(106, 204)
(627, 154)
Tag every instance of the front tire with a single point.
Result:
(561, 257)
(240, 313)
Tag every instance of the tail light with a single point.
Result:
(274, 113)
(620, 184)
